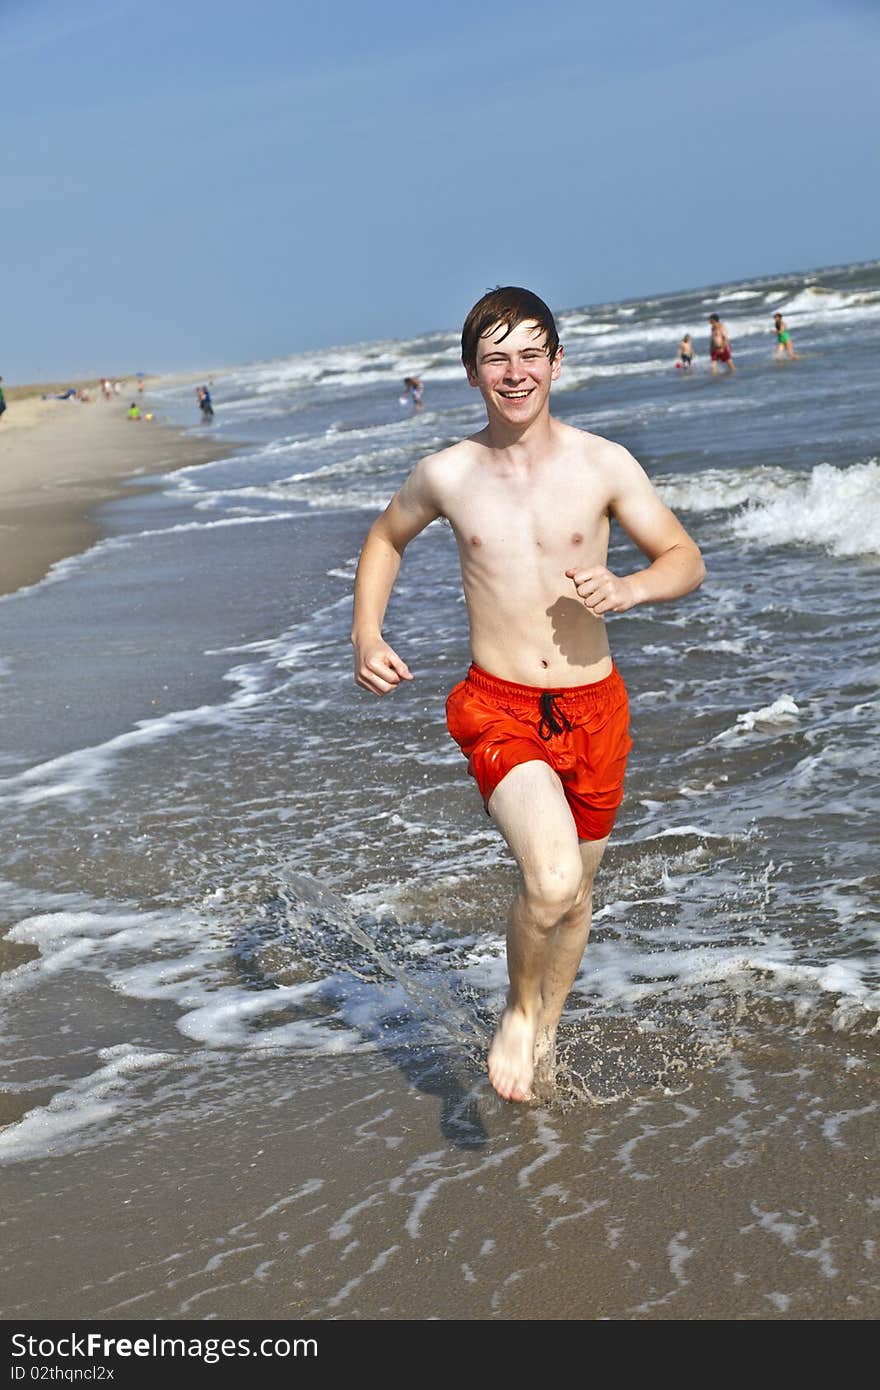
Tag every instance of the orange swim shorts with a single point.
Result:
(581, 731)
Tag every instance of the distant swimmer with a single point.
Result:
(206, 406)
(413, 389)
(686, 353)
(783, 339)
(719, 345)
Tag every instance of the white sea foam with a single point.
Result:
(86, 1104)
(780, 716)
(733, 296)
(816, 300)
(837, 509)
(580, 375)
(720, 489)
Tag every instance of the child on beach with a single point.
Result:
(685, 353)
(542, 715)
(783, 338)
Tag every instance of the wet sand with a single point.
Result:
(401, 1188)
(59, 460)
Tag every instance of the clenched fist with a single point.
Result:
(378, 668)
(600, 591)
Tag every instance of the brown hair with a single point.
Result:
(505, 307)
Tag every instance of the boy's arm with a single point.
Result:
(377, 667)
(676, 563)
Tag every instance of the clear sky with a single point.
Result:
(193, 186)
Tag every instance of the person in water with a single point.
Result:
(719, 345)
(783, 338)
(542, 715)
(413, 389)
(685, 353)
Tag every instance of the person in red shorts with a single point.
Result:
(542, 714)
(719, 345)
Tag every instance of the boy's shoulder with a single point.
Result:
(451, 461)
(591, 448)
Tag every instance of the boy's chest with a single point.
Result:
(558, 522)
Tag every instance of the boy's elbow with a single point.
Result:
(699, 567)
(380, 533)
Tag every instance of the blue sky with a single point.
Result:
(188, 187)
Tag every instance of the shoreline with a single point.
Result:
(61, 460)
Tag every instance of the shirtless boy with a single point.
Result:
(685, 353)
(542, 714)
(719, 345)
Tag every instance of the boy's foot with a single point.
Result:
(511, 1056)
(544, 1080)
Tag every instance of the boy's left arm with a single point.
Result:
(676, 566)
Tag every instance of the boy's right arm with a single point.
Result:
(377, 667)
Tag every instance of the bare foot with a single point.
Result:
(511, 1056)
(544, 1082)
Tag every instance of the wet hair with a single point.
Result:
(505, 307)
(713, 318)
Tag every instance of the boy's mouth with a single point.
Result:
(515, 395)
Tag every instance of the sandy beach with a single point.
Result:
(59, 460)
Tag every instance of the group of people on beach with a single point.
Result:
(720, 349)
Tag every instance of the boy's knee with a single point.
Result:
(553, 890)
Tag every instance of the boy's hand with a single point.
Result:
(600, 591)
(378, 668)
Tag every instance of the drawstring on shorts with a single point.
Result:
(552, 717)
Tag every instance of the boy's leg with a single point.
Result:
(567, 948)
(531, 812)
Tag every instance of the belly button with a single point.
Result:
(545, 664)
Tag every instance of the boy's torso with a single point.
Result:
(518, 530)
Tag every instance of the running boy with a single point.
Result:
(542, 714)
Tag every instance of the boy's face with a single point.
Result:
(513, 372)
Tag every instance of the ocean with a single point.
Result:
(252, 932)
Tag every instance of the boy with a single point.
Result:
(542, 714)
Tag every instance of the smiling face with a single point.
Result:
(513, 372)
